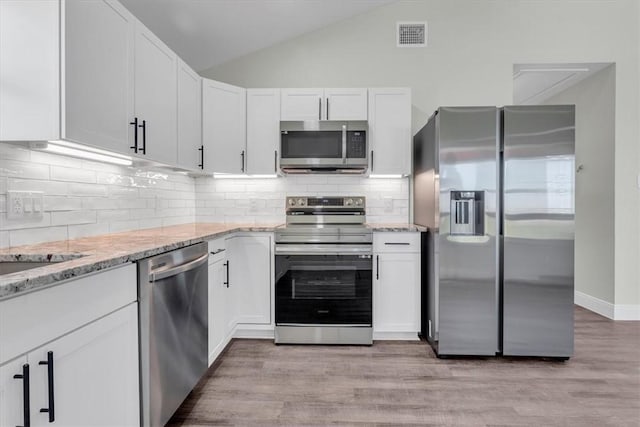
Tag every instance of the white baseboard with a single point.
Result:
(627, 312)
(395, 336)
(607, 309)
(254, 332)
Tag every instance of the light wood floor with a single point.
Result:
(259, 383)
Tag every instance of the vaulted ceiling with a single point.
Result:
(206, 33)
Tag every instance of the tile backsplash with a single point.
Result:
(263, 200)
(86, 198)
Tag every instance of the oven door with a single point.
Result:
(331, 288)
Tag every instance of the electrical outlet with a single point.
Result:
(253, 206)
(24, 204)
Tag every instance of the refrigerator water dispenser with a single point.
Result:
(467, 213)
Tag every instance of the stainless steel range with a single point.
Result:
(324, 272)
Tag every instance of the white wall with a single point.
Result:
(469, 61)
(594, 99)
(84, 198)
(263, 200)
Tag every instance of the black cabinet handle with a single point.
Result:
(371, 160)
(227, 281)
(144, 137)
(26, 405)
(275, 161)
(51, 408)
(397, 243)
(377, 267)
(327, 108)
(242, 156)
(201, 150)
(319, 108)
(134, 123)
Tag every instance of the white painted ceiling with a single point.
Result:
(535, 83)
(206, 33)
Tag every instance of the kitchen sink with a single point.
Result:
(8, 266)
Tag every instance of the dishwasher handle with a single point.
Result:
(173, 271)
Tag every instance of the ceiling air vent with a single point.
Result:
(412, 34)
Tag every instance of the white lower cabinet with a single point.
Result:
(94, 375)
(249, 263)
(220, 326)
(79, 343)
(396, 285)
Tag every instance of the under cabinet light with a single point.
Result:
(387, 176)
(238, 176)
(77, 150)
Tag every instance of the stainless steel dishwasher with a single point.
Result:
(172, 292)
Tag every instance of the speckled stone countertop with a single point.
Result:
(399, 227)
(89, 254)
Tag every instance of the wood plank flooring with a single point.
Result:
(403, 383)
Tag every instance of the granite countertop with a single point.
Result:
(89, 254)
(399, 227)
(77, 257)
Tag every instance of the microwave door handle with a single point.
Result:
(344, 144)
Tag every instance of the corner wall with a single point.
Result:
(472, 46)
(594, 98)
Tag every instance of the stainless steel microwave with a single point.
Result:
(323, 147)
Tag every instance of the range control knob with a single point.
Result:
(302, 202)
(292, 202)
(348, 202)
(359, 202)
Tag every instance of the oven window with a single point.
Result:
(323, 289)
(312, 145)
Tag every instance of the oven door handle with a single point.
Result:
(323, 249)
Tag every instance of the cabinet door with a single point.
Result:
(12, 392)
(390, 131)
(218, 302)
(345, 104)
(263, 130)
(224, 126)
(301, 104)
(155, 97)
(95, 374)
(29, 70)
(250, 278)
(396, 287)
(189, 117)
(98, 74)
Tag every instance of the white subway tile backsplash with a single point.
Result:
(73, 217)
(47, 187)
(86, 198)
(95, 190)
(63, 173)
(19, 169)
(32, 236)
(62, 203)
(86, 230)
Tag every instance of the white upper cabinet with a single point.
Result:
(155, 97)
(98, 71)
(224, 127)
(345, 104)
(263, 130)
(301, 104)
(190, 154)
(323, 104)
(29, 70)
(390, 131)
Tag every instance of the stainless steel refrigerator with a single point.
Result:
(495, 187)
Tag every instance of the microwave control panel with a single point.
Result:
(356, 144)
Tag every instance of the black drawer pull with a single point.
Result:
(397, 243)
(26, 405)
(51, 409)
